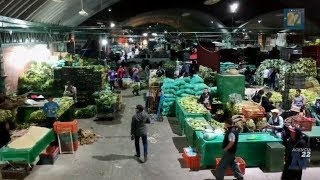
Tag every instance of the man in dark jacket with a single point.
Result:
(206, 98)
(293, 165)
(229, 146)
(266, 103)
(139, 129)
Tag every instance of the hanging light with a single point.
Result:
(234, 7)
(83, 12)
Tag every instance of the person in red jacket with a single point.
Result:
(120, 74)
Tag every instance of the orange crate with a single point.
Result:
(229, 172)
(192, 162)
(302, 122)
(60, 127)
(253, 112)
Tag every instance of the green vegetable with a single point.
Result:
(208, 75)
(87, 112)
(38, 78)
(5, 115)
(105, 99)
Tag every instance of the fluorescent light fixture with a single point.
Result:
(112, 25)
(259, 21)
(130, 40)
(165, 32)
(83, 13)
(59, 1)
(234, 7)
(185, 14)
(211, 22)
(154, 34)
(109, 9)
(210, 2)
(104, 42)
(145, 34)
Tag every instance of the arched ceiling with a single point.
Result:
(273, 22)
(182, 19)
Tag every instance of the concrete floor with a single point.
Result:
(111, 158)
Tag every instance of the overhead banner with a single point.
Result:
(294, 19)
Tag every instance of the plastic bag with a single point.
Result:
(168, 81)
(181, 91)
(199, 87)
(189, 91)
(213, 90)
(184, 95)
(171, 99)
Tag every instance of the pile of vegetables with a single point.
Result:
(207, 75)
(197, 125)
(105, 99)
(169, 65)
(276, 97)
(191, 105)
(306, 66)
(215, 124)
(280, 64)
(315, 43)
(87, 112)
(5, 115)
(38, 78)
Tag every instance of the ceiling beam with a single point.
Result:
(7, 11)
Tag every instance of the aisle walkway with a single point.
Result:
(111, 158)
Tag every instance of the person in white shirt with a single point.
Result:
(275, 123)
(266, 75)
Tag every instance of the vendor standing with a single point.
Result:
(72, 90)
(206, 99)
(51, 109)
(266, 102)
(298, 100)
(275, 123)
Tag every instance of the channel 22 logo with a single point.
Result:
(305, 152)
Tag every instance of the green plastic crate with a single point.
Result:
(182, 115)
(191, 133)
(274, 157)
(230, 84)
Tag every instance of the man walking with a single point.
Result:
(229, 146)
(139, 129)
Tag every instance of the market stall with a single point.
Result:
(188, 107)
(28, 147)
(251, 148)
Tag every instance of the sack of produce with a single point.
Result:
(187, 79)
(170, 99)
(196, 79)
(184, 95)
(189, 91)
(213, 90)
(199, 86)
(168, 81)
(181, 91)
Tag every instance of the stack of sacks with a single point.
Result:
(178, 88)
(168, 89)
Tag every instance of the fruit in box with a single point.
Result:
(197, 125)
(191, 105)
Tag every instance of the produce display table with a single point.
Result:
(191, 133)
(27, 155)
(252, 151)
(182, 115)
(65, 113)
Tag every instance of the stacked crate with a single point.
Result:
(85, 79)
(274, 157)
(67, 133)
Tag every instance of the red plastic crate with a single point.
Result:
(192, 162)
(60, 127)
(253, 112)
(229, 172)
(302, 122)
(50, 156)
